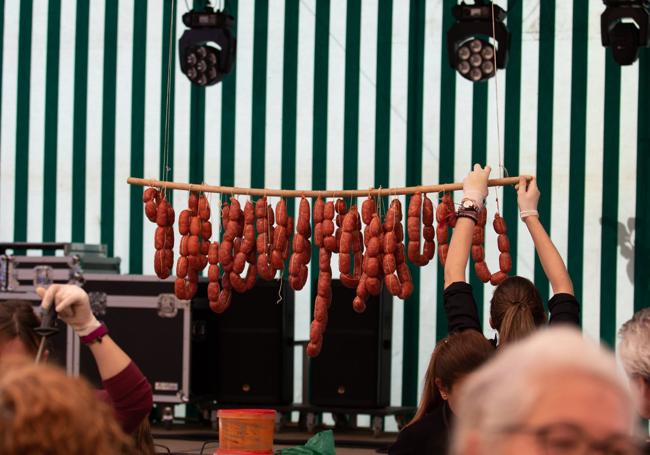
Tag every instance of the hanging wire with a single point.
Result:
(280, 297)
(167, 168)
(496, 97)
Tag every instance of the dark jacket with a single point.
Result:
(462, 314)
(428, 436)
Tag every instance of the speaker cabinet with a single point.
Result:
(244, 356)
(353, 368)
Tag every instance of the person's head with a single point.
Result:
(635, 355)
(44, 411)
(553, 392)
(516, 309)
(17, 324)
(453, 358)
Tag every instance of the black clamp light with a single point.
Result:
(470, 41)
(207, 50)
(624, 28)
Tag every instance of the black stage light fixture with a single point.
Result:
(624, 27)
(207, 49)
(470, 45)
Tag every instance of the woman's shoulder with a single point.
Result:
(421, 435)
(428, 421)
(564, 308)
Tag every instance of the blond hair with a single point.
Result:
(42, 411)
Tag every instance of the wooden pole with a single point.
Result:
(440, 188)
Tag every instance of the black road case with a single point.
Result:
(149, 323)
(243, 356)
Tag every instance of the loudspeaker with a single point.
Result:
(353, 368)
(245, 355)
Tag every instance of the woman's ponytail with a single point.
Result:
(516, 309)
(516, 324)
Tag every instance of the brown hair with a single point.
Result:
(455, 356)
(516, 309)
(143, 438)
(43, 411)
(18, 320)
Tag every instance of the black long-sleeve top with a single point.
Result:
(460, 308)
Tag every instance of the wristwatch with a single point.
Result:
(468, 209)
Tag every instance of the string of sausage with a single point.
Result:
(195, 228)
(301, 256)
(478, 250)
(341, 210)
(284, 226)
(213, 278)
(244, 249)
(222, 252)
(158, 210)
(264, 223)
(326, 242)
(350, 249)
(413, 229)
(232, 218)
(372, 273)
(397, 274)
(446, 218)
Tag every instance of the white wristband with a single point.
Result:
(87, 328)
(526, 213)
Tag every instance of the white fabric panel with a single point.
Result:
(35, 197)
(123, 130)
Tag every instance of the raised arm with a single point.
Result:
(126, 388)
(73, 307)
(552, 263)
(474, 193)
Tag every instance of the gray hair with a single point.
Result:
(504, 391)
(634, 349)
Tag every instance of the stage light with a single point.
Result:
(470, 44)
(624, 28)
(207, 49)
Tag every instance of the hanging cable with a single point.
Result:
(496, 97)
(166, 167)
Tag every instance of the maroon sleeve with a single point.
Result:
(130, 395)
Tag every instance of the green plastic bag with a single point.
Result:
(320, 444)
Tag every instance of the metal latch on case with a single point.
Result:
(98, 303)
(76, 272)
(167, 306)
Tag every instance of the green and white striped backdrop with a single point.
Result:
(331, 94)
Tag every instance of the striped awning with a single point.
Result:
(331, 94)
